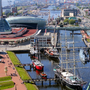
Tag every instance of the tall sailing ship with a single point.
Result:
(64, 73)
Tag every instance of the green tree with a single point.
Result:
(58, 20)
(66, 20)
(79, 20)
(71, 21)
(86, 12)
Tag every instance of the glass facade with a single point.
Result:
(4, 26)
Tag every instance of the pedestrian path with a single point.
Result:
(11, 71)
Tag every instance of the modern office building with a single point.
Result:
(66, 13)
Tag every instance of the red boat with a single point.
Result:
(37, 65)
(43, 75)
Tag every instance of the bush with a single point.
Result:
(79, 20)
(71, 21)
(66, 21)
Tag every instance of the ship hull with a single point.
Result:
(69, 85)
(74, 87)
(38, 67)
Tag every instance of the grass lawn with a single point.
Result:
(29, 86)
(21, 71)
(88, 40)
(13, 58)
(5, 78)
(23, 74)
(6, 83)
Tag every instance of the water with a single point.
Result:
(53, 14)
(50, 64)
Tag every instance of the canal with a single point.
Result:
(49, 64)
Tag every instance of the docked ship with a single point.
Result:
(84, 57)
(37, 64)
(52, 53)
(33, 52)
(66, 71)
(68, 79)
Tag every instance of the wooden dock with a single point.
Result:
(41, 80)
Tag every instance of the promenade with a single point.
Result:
(11, 72)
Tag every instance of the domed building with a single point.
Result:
(27, 21)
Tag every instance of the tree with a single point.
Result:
(71, 21)
(86, 12)
(58, 20)
(79, 20)
(66, 20)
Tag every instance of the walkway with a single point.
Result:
(11, 70)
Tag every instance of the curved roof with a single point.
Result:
(27, 19)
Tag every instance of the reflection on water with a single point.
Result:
(49, 64)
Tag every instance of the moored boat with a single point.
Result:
(43, 75)
(68, 79)
(84, 57)
(33, 51)
(37, 65)
(52, 53)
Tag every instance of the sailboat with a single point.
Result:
(66, 77)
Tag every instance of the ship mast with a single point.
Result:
(74, 54)
(66, 51)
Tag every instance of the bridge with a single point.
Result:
(41, 80)
(67, 28)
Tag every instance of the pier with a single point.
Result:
(41, 80)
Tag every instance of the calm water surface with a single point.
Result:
(50, 64)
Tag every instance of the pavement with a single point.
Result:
(11, 72)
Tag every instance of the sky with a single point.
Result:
(5, 2)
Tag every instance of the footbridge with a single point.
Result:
(74, 28)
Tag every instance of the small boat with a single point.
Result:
(43, 75)
(37, 65)
(83, 56)
(52, 53)
(33, 51)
